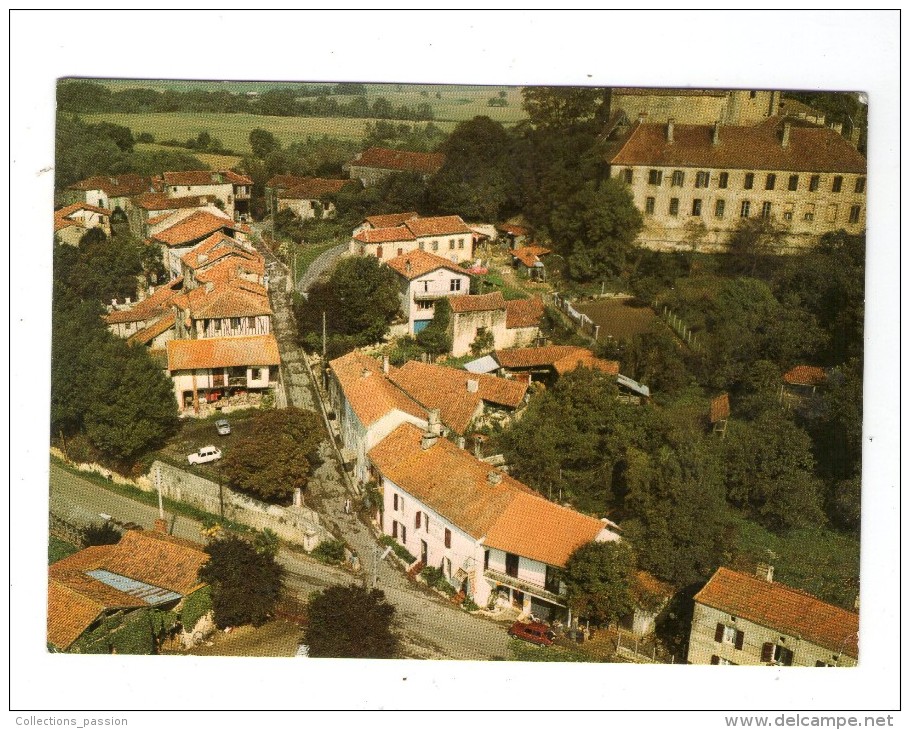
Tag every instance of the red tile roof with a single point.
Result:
(160, 201)
(437, 386)
(562, 358)
(442, 225)
(805, 375)
(230, 268)
(76, 599)
(811, 149)
(370, 394)
(513, 229)
(530, 255)
(280, 182)
(310, 188)
(215, 247)
(222, 352)
(152, 306)
(235, 298)
(384, 235)
(145, 336)
(782, 609)
(193, 228)
(524, 312)
(508, 515)
(389, 220)
(76, 207)
(720, 408)
(115, 186)
(205, 177)
(417, 263)
(400, 160)
(477, 302)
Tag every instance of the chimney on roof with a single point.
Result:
(854, 135)
(209, 286)
(428, 439)
(473, 385)
(407, 266)
(837, 127)
(161, 526)
(129, 300)
(385, 364)
(365, 373)
(434, 427)
(856, 603)
(670, 124)
(494, 476)
(715, 136)
(642, 117)
(785, 136)
(765, 571)
(461, 442)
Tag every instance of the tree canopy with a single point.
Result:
(561, 106)
(351, 622)
(275, 457)
(245, 583)
(599, 578)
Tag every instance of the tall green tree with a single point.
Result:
(263, 143)
(599, 577)
(275, 457)
(561, 106)
(351, 622)
(245, 583)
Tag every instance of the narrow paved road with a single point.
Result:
(320, 265)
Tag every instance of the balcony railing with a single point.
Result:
(525, 587)
(428, 296)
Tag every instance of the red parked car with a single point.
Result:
(535, 632)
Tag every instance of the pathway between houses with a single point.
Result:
(320, 265)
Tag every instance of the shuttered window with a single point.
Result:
(417, 521)
(448, 538)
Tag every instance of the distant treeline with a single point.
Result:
(86, 97)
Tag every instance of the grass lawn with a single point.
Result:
(523, 651)
(58, 549)
(216, 162)
(620, 319)
(308, 253)
(820, 561)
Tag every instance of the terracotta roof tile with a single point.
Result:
(477, 302)
(513, 229)
(811, 149)
(389, 220)
(417, 263)
(150, 307)
(158, 559)
(530, 255)
(214, 247)
(399, 160)
(222, 352)
(143, 337)
(720, 408)
(160, 201)
(805, 375)
(76, 207)
(193, 228)
(309, 188)
(233, 298)
(524, 312)
(384, 235)
(69, 614)
(437, 226)
(509, 515)
(370, 394)
(529, 357)
(783, 609)
(230, 268)
(437, 386)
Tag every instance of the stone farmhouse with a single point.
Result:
(376, 163)
(110, 192)
(447, 236)
(494, 538)
(424, 278)
(305, 197)
(513, 323)
(744, 619)
(231, 189)
(146, 569)
(72, 222)
(150, 213)
(178, 240)
(694, 183)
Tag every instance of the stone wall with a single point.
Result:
(296, 524)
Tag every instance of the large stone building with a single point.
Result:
(695, 106)
(744, 619)
(694, 183)
(376, 163)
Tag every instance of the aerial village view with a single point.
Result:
(542, 374)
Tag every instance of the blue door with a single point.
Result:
(420, 325)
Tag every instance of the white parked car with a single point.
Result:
(205, 455)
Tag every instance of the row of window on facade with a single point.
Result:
(434, 246)
(771, 652)
(216, 324)
(767, 209)
(703, 180)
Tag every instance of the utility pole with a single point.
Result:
(323, 335)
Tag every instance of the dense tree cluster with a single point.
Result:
(359, 301)
(275, 456)
(245, 582)
(351, 622)
(599, 578)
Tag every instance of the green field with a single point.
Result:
(216, 162)
(234, 129)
